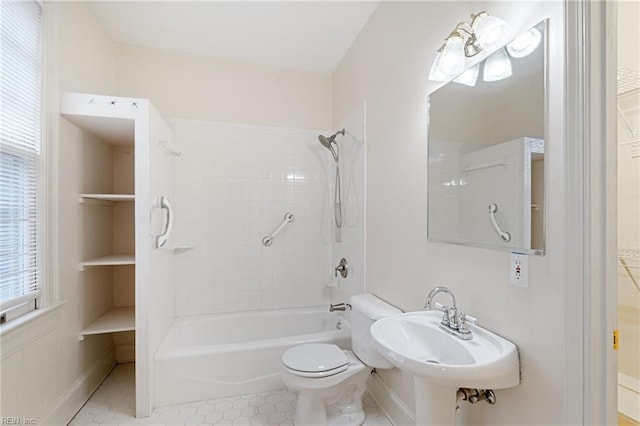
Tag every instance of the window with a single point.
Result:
(20, 71)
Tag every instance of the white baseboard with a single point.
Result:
(389, 402)
(70, 403)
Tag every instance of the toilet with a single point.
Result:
(330, 381)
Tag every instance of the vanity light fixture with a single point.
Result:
(497, 66)
(436, 74)
(490, 31)
(525, 43)
(469, 77)
(453, 55)
(485, 32)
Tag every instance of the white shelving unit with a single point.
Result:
(114, 320)
(111, 260)
(108, 178)
(120, 134)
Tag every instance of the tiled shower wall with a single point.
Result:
(233, 185)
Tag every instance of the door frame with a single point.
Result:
(591, 212)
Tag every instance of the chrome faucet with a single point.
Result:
(434, 292)
(453, 322)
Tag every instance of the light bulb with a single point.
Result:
(436, 74)
(469, 77)
(491, 32)
(497, 66)
(453, 59)
(525, 43)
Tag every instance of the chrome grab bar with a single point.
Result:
(288, 218)
(165, 204)
(493, 208)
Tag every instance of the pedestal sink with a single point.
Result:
(441, 363)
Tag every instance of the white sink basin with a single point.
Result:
(415, 343)
(441, 363)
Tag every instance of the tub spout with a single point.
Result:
(339, 307)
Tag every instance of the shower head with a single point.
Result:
(328, 142)
(325, 141)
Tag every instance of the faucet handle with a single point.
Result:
(462, 322)
(446, 319)
(342, 269)
(467, 318)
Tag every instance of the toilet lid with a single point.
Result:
(315, 358)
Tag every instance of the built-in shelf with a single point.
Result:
(114, 320)
(104, 199)
(111, 260)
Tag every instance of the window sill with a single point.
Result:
(24, 330)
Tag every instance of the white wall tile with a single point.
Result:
(234, 183)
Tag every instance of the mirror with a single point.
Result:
(486, 151)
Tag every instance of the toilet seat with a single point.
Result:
(315, 360)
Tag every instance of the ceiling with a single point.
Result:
(303, 35)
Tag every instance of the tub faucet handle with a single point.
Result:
(342, 268)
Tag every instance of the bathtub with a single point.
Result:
(219, 355)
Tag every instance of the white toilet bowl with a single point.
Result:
(330, 383)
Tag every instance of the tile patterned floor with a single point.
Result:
(114, 404)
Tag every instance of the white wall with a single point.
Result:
(233, 185)
(387, 67)
(203, 88)
(51, 388)
(348, 242)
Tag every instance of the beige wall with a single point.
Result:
(48, 374)
(181, 85)
(629, 34)
(629, 195)
(387, 67)
(86, 53)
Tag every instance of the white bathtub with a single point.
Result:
(220, 355)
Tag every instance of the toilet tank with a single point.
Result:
(366, 309)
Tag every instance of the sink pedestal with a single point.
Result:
(435, 404)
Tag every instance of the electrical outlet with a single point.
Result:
(519, 270)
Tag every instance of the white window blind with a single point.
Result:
(20, 63)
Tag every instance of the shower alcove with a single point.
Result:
(124, 167)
